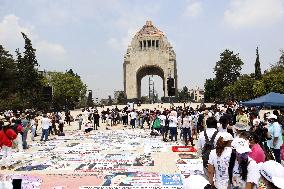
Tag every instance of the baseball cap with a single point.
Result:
(273, 172)
(195, 182)
(241, 145)
(240, 126)
(226, 136)
(272, 116)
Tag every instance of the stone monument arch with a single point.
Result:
(149, 53)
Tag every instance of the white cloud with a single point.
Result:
(10, 32)
(11, 38)
(49, 48)
(194, 8)
(251, 13)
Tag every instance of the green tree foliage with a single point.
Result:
(67, 90)
(90, 101)
(210, 88)
(121, 99)
(29, 80)
(257, 69)
(109, 103)
(242, 89)
(227, 69)
(183, 95)
(8, 76)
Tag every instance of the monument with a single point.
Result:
(149, 53)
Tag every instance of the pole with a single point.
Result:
(153, 90)
(149, 88)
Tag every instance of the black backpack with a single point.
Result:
(209, 145)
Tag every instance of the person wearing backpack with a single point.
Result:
(157, 123)
(207, 141)
(219, 162)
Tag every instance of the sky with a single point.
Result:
(91, 36)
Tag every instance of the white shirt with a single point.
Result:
(201, 139)
(221, 165)
(252, 176)
(173, 121)
(45, 123)
(32, 122)
(185, 122)
(163, 120)
(132, 115)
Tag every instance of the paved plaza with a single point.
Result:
(110, 156)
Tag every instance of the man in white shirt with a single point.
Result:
(163, 118)
(173, 126)
(45, 123)
(211, 123)
(132, 118)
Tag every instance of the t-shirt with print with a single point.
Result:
(163, 120)
(173, 121)
(221, 165)
(252, 177)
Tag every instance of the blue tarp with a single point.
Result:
(270, 99)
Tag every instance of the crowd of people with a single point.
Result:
(239, 147)
(16, 127)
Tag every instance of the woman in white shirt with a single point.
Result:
(185, 122)
(243, 171)
(219, 159)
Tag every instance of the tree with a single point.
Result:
(242, 89)
(8, 81)
(90, 101)
(67, 90)
(109, 101)
(210, 90)
(183, 95)
(257, 69)
(29, 80)
(227, 71)
(121, 99)
(8, 72)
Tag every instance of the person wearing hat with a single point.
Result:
(243, 170)
(275, 130)
(272, 174)
(239, 128)
(7, 135)
(219, 162)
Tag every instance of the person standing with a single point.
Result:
(186, 128)
(33, 127)
(163, 118)
(173, 121)
(7, 135)
(45, 123)
(276, 141)
(96, 117)
(132, 116)
(80, 121)
(26, 126)
(61, 125)
(219, 159)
